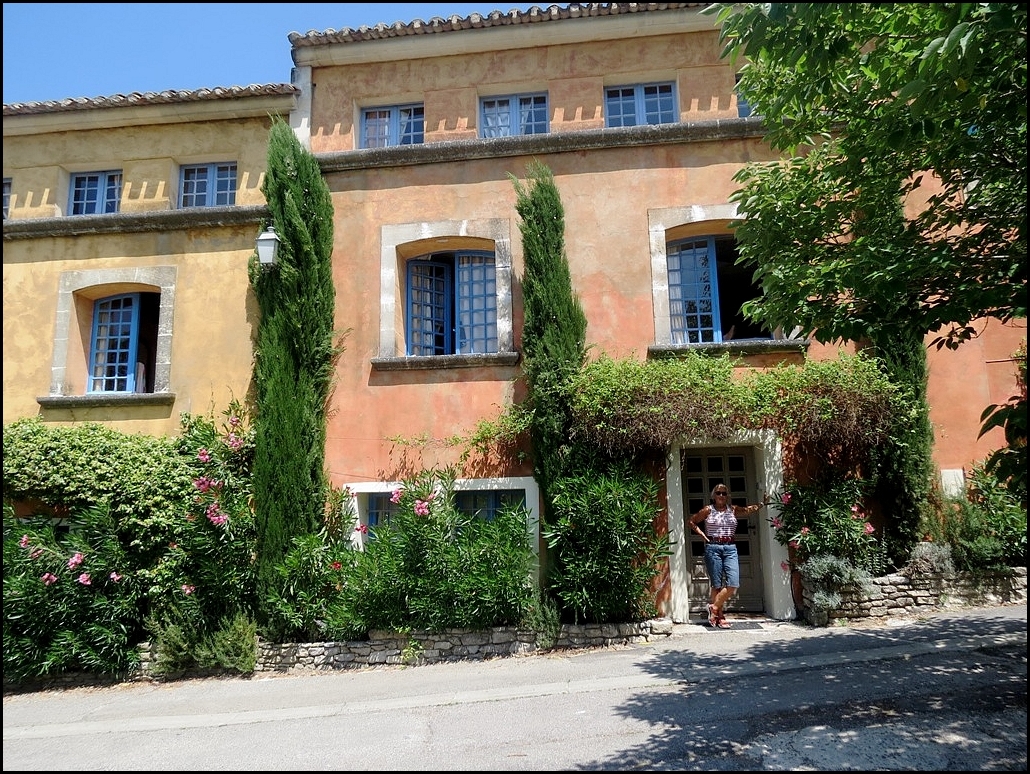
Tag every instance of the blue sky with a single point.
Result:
(55, 51)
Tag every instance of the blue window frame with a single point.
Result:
(93, 193)
(123, 348)
(207, 185)
(743, 107)
(484, 504)
(706, 291)
(380, 509)
(514, 115)
(487, 503)
(398, 125)
(651, 103)
(452, 304)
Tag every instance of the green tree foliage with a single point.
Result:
(554, 331)
(885, 96)
(295, 354)
(1009, 463)
(873, 105)
(836, 412)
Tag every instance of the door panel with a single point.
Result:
(701, 470)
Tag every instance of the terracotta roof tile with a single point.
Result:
(437, 24)
(137, 99)
(382, 31)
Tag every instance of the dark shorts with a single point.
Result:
(722, 564)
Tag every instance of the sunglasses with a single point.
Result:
(722, 493)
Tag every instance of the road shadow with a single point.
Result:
(819, 685)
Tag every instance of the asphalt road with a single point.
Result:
(945, 692)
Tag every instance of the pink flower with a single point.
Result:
(215, 515)
(337, 566)
(777, 522)
(793, 544)
(785, 499)
(75, 561)
(421, 508)
(84, 579)
(204, 483)
(204, 455)
(24, 542)
(805, 530)
(362, 528)
(187, 589)
(234, 441)
(48, 578)
(785, 566)
(396, 496)
(115, 577)
(869, 528)
(235, 421)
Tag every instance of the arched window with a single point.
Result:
(452, 304)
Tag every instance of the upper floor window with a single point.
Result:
(452, 304)
(386, 126)
(514, 115)
(7, 196)
(207, 185)
(653, 103)
(743, 108)
(706, 291)
(93, 193)
(124, 343)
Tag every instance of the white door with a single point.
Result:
(701, 470)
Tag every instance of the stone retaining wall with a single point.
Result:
(891, 595)
(901, 594)
(420, 647)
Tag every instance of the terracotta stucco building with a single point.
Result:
(418, 129)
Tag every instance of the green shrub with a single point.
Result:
(179, 645)
(827, 576)
(929, 558)
(70, 597)
(544, 618)
(433, 567)
(144, 481)
(605, 544)
(232, 645)
(308, 605)
(985, 528)
(827, 518)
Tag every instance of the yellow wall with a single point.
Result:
(214, 313)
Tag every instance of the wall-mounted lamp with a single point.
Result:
(268, 247)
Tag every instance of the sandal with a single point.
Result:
(722, 623)
(713, 617)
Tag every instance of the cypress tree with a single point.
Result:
(554, 330)
(295, 354)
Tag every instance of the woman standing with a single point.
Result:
(721, 560)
